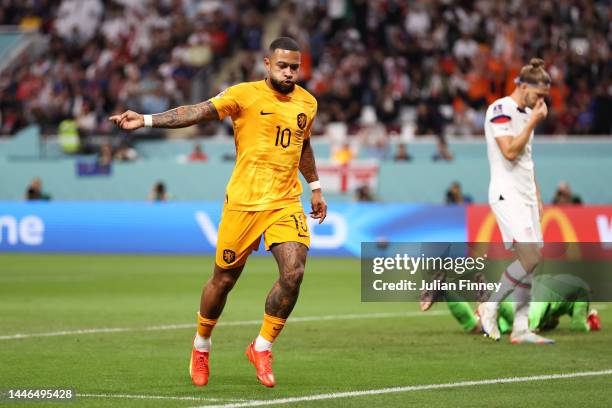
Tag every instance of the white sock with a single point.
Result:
(262, 344)
(522, 296)
(513, 274)
(201, 344)
(492, 306)
(521, 319)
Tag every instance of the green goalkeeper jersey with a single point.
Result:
(553, 296)
(556, 295)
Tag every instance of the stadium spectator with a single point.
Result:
(35, 192)
(454, 194)
(125, 153)
(442, 153)
(402, 153)
(86, 119)
(68, 136)
(105, 155)
(388, 106)
(429, 120)
(364, 194)
(343, 155)
(197, 154)
(158, 192)
(565, 196)
(228, 157)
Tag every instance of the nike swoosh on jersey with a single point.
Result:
(265, 113)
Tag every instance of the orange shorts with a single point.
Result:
(240, 232)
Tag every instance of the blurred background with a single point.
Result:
(402, 88)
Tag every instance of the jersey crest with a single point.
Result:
(229, 256)
(302, 120)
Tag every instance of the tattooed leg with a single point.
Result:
(214, 294)
(291, 259)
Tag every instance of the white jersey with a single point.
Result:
(510, 180)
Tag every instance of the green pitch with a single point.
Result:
(356, 347)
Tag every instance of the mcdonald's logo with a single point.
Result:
(568, 233)
(487, 228)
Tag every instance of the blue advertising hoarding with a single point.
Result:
(191, 227)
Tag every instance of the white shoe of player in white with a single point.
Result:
(529, 337)
(488, 320)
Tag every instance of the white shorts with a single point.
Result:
(518, 222)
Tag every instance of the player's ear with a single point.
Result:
(267, 62)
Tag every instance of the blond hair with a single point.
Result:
(534, 73)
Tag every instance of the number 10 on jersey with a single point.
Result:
(283, 137)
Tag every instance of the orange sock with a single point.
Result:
(205, 326)
(271, 327)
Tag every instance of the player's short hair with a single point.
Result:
(534, 73)
(284, 43)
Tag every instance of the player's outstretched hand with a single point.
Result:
(540, 110)
(319, 206)
(128, 120)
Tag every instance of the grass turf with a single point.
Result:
(50, 293)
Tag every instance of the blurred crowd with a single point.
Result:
(448, 60)
(433, 65)
(106, 56)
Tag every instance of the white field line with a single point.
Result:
(394, 390)
(156, 397)
(229, 323)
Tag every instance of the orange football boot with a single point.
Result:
(262, 360)
(198, 367)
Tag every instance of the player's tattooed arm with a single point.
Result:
(180, 117)
(187, 115)
(308, 167)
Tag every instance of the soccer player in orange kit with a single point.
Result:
(272, 120)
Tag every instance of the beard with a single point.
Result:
(280, 87)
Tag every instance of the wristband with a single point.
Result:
(148, 120)
(315, 185)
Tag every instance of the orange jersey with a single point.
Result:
(269, 130)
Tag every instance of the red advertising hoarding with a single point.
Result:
(559, 224)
